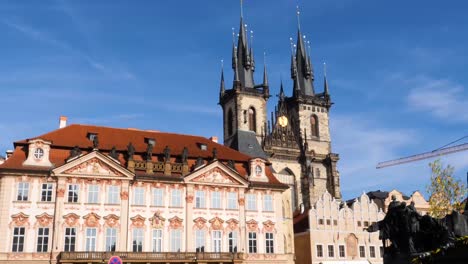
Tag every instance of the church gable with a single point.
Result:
(216, 174)
(93, 164)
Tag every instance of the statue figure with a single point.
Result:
(393, 203)
(76, 151)
(130, 151)
(113, 153)
(184, 155)
(95, 142)
(149, 152)
(167, 154)
(231, 164)
(215, 154)
(199, 162)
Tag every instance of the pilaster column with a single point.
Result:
(124, 217)
(61, 189)
(189, 247)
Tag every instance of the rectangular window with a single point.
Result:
(138, 240)
(18, 239)
(216, 200)
(335, 222)
(358, 223)
(217, 241)
(232, 241)
(200, 241)
(269, 243)
(139, 196)
(331, 251)
(366, 223)
(73, 190)
(176, 199)
(42, 239)
(320, 221)
(342, 251)
(158, 198)
(319, 251)
(91, 239)
(252, 242)
(268, 203)
(362, 251)
(251, 202)
(372, 251)
(175, 240)
(328, 222)
(93, 193)
(113, 194)
(23, 191)
(46, 192)
(70, 239)
(199, 199)
(111, 239)
(381, 252)
(157, 240)
(231, 200)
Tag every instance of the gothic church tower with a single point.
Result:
(296, 138)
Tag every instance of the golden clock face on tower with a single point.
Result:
(283, 121)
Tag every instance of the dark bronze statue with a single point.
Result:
(199, 162)
(96, 142)
(167, 154)
(130, 151)
(75, 152)
(113, 153)
(215, 154)
(149, 151)
(184, 155)
(231, 164)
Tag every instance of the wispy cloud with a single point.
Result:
(442, 98)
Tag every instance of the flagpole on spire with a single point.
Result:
(241, 9)
(298, 13)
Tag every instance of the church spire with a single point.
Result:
(222, 88)
(325, 82)
(301, 67)
(265, 76)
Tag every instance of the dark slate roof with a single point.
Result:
(377, 194)
(246, 142)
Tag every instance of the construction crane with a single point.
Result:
(444, 150)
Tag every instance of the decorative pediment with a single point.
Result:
(200, 222)
(233, 224)
(44, 219)
(175, 222)
(217, 173)
(93, 164)
(111, 220)
(91, 220)
(157, 221)
(138, 221)
(269, 226)
(19, 219)
(71, 219)
(216, 223)
(252, 225)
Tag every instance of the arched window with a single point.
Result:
(230, 121)
(314, 127)
(252, 120)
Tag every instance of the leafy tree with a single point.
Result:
(446, 192)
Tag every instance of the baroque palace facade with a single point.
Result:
(84, 193)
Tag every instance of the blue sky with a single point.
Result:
(396, 70)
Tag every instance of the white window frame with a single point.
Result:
(47, 192)
(217, 240)
(176, 198)
(111, 239)
(73, 193)
(339, 250)
(269, 243)
(317, 250)
(176, 240)
(216, 200)
(370, 252)
(139, 196)
(157, 240)
(22, 191)
(232, 242)
(138, 236)
(42, 239)
(200, 240)
(359, 249)
(113, 194)
(331, 251)
(20, 237)
(91, 239)
(251, 202)
(158, 196)
(231, 200)
(199, 199)
(93, 193)
(252, 242)
(71, 238)
(268, 203)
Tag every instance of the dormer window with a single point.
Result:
(91, 136)
(203, 146)
(258, 170)
(150, 141)
(38, 153)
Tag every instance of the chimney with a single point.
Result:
(9, 153)
(214, 139)
(63, 122)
